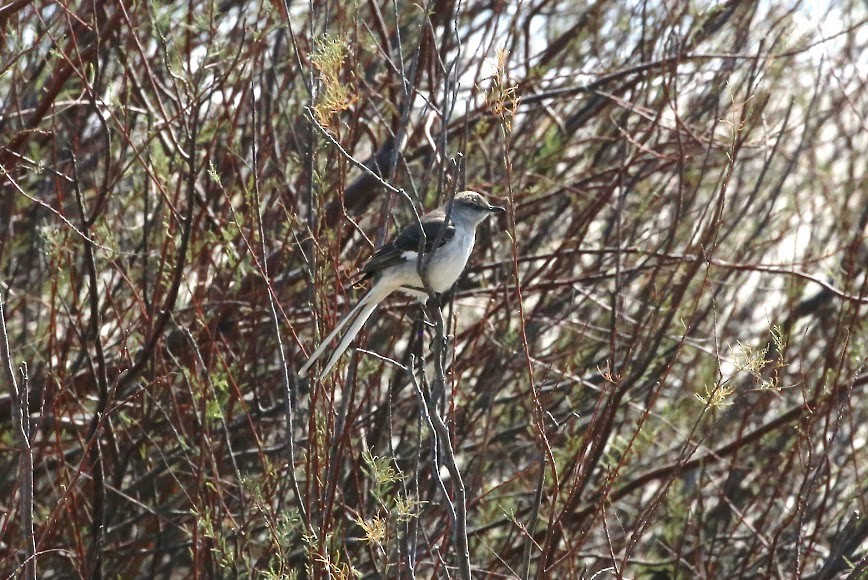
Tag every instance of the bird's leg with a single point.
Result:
(434, 301)
(434, 309)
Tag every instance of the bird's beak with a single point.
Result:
(496, 209)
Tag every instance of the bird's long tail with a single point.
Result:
(358, 315)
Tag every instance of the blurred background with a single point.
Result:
(656, 358)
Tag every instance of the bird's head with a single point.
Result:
(475, 205)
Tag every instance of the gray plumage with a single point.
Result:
(394, 266)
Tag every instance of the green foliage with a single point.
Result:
(335, 96)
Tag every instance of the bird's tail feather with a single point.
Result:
(360, 314)
(349, 336)
(327, 340)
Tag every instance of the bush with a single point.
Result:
(654, 363)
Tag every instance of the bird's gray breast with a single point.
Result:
(448, 261)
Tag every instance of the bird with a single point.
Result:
(446, 236)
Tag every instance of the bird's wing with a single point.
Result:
(408, 241)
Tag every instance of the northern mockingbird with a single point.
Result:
(446, 246)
